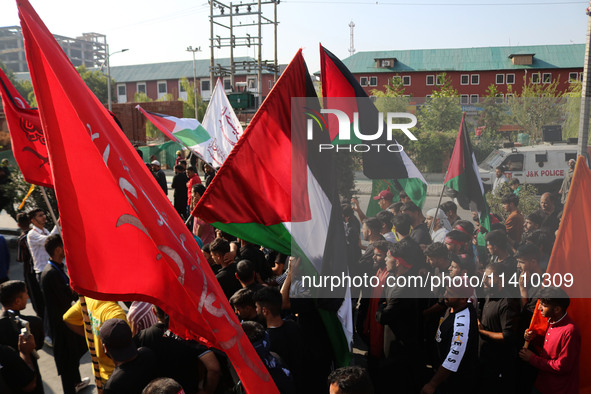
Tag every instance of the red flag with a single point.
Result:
(123, 238)
(26, 135)
(570, 265)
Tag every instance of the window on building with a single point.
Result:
(464, 79)
(439, 79)
(580, 76)
(406, 80)
(363, 81)
(473, 99)
(205, 86)
(547, 78)
(430, 80)
(535, 78)
(227, 84)
(141, 87)
(500, 79)
(509, 96)
(396, 80)
(464, 99)
(162, 89)
(499, 98)
(510, 79)
(373, 81)
(474, 79)
(573, 77)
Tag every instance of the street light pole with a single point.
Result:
(109, 74)
(198, 49)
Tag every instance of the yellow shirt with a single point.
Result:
(98, 312)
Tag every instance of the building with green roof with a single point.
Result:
(159, 79)
(471, 70)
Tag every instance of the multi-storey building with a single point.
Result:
(470, 70)
(88, 50)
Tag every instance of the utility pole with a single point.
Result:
(198, 49)
(108, 62)
(241, 15)
(585, 95)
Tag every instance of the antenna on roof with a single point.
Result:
(352, 46)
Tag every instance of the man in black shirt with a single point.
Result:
(498, 325)
(457, 343)
(226, 276)
(179, 184)
(134, 368)
(420, 232)
(285, 336)
(68, 346)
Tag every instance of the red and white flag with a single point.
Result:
(123, 238)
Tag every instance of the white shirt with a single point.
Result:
(498, 182)
(36, 239)
(439, 235)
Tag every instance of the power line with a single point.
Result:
(386, 3)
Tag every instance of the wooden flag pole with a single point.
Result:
(91, 345)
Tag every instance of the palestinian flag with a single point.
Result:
(417, 191)
(276, 190)
(185, 131)
(393, 168)
(463, 176)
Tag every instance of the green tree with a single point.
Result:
(493, 114)
(391, 99)
(189, 103)
(572, 110)
(528, 200)
(24, 88)
(442, 111)
(97, 82)
(152, 132)
(537, 105)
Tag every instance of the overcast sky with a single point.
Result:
(159, 31)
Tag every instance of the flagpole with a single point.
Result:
(50, 209)
(438, 204)
(91, 345)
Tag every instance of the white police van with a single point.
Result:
(543, 166)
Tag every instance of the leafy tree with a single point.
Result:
(441, 112)
(16, 189)
(391, 99)
(152, 132)
(572, 110)
(97, 82)
(528, 200)
(24, 88)
(189, 103)
(537, 105)
(493, 114)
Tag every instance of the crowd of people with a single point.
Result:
(454, 339)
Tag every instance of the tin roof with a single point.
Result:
(468, 59)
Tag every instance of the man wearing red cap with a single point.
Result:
(384, 199)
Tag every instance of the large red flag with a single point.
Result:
(570, 265)
(123, 238)
(26, 135)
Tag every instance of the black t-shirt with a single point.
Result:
(499, 315)
(287, 342)
(14, 372)
(134, 375)
(176, 359)
(457, 345)
(421, 235)
(227, 280)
